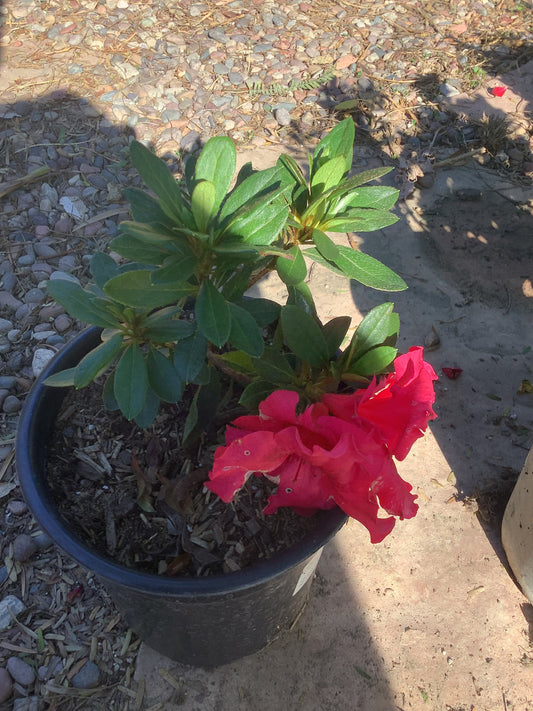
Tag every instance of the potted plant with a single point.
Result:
(314, 416)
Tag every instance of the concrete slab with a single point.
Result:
(430, 618)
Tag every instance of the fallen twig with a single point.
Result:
(20, 182)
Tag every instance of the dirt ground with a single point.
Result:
(431, 618)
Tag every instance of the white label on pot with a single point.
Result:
(308, 570)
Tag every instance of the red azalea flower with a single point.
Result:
(498, 90)
(332, 453)
(398, 405)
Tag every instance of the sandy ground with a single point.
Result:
(431, 618)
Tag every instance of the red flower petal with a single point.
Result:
(452, 373)
(498, 90)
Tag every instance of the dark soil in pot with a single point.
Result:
(137, 496)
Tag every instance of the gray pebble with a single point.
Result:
(189, 141)
(44, 251)
(13, 335)
(6, 685)
(43, 335)
(88, 676)
(365, 84)
(282, 116)
(218, 35)
(22, 313)
(49, 312)
(64, 275)
(29, 703)
(62, 323)
(41, 358)
(11, 405)
(4, 575)
(5, 325)
(9, 280)
(235, 78)
(34, 296)
(8, 301)
(8, 381)
(169, 115)
(43, 541)
(17, 507)
(9, 604)
(447, 90)
(23, 547)
(21, 672)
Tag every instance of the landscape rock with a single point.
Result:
(9, 605)
(23, 547)
(88, 676)
(20, 671)
(41, 358)
(6, 685)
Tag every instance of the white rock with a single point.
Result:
(41, 358)
(74, 207)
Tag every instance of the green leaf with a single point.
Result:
(138, 251)
(80, 304)
(338, 142)
(203, 203)
(212, 314)
(328, 175)
(158, 177)
(97, 360)
(374, 361)
(169, 332)
(254, 393)
(131, 382)
(258, 226)
(63, 379)
(300, 295)
(261, 184)
(315, 255)
(163, 377)
(378, 197)
(245, 334)
(377, 326)
(238, 360)
(216, 164)
(135, 288)
(189, 356)
(274, 367)
(359, 220)
(264, 311)
(359, 179)
(304, 336)
(145, 208)
(175, 270)
(327, 248)
(334, 332)
(292, 271)
(192, 418)
(103, 268)
(368, 271)
(144, 419)
(148, 233)
(108, 394)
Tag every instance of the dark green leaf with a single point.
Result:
(135, 288)
(245, 334)
(80, 304)
(368, 270)
(110, 401)
(274, 367)
(378, 197)
(292, 269)
(192, 418)
(261, 184)
(300, 295)
(203, 203)
(137, 250)
(334, 332)
(216, 164)
(254, 393)
(131, 382)
(149, 233)
(378, 325)
(359, 179)
(315, 255)
(213, 314)
(145, 208)
(264, 311)
(175, 270)
(163, 378)
(304, 336)
(374, 361)
(103, 268)
(63, 379)
(258, 226)
(189, 356)
(97, 360)
(145, 418)
(291, 173)
(169, 332)
(327, 248)
(158, 177)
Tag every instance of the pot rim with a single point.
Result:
(30, 455)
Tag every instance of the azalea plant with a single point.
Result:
(176, 317)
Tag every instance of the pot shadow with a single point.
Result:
(327, 659)
(86, 160)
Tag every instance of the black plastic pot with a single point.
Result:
(200, 621)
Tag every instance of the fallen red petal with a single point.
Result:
(452, 373)
(498, 90)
